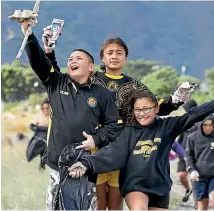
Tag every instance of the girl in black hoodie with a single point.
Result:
(141, 153)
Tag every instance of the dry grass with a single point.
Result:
(16, 122)
(23, 185)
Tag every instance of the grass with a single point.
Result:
(23, 185)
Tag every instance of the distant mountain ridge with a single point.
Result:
(177, 33)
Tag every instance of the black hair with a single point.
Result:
(127, 110)
(116, 40)
(103, 67)
(143, 94)
(111, 40)
(189, 105)
(91, 58)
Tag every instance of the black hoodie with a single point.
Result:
(183, 137)
(200, 152)
(142, 153)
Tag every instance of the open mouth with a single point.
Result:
(74, 67)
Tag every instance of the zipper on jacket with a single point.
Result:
(76, 92)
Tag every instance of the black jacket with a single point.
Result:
(121, 88)
(142, 153)
(74, 107)
(182, 140)
(184, 136)
(200, 152)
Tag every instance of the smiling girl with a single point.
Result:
(141, 153)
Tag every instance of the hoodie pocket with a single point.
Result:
(205, 168)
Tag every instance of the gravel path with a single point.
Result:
(177, 192)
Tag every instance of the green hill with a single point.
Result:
(176, 33)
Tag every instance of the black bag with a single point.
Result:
(73, 194)
(36, 146)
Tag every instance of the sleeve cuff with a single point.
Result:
(97, 140)
(87, 165)
(190, 169)
(176, 105)
(31, 37)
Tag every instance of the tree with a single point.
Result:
(18, 82)
(200, 98)
(189, 78)
(140, 67)
(210, 78)
(162, 81)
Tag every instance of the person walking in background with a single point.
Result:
(38, 143)
(200, 162)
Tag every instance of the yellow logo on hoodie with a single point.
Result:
(212, 145)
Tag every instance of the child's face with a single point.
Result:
(145, 111)
(207, 127)
(114, 56)
(46, 109)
